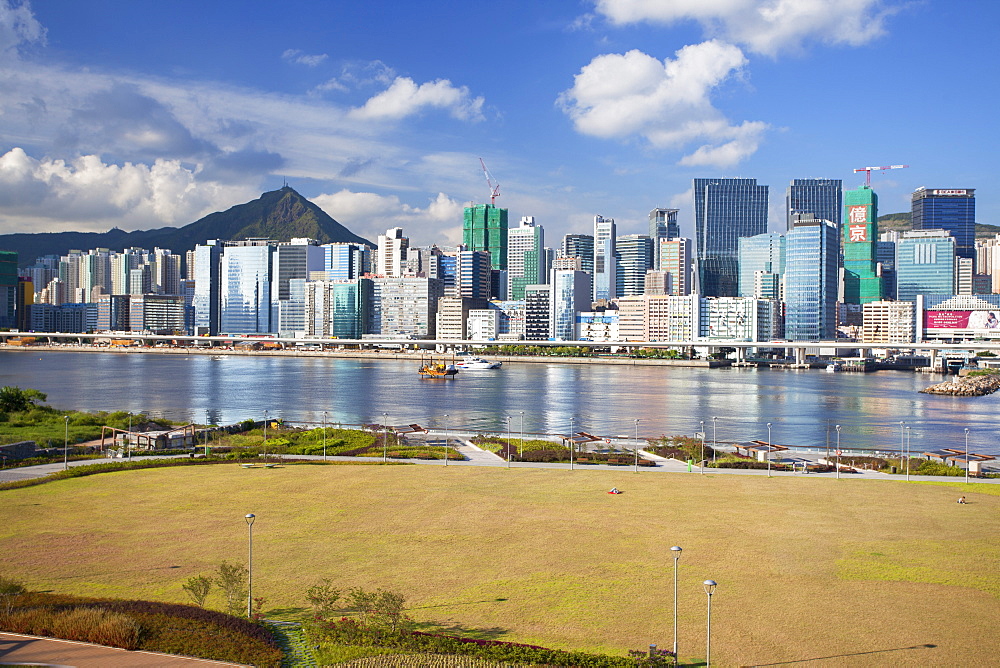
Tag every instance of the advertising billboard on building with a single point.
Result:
(973, 320)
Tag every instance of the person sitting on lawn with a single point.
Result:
(961, 500)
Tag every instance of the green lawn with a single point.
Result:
(856, 573)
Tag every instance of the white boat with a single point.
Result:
(833, 367)
(476, 364)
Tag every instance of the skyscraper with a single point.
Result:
(952, 210)
(246, 277)
(207, 287)
(485, 228)
(862, 282)
(605, 259)
(391, 252)
(8, 288)
(635, 258)
(662, 225)
(675, 259)
(925, 264)
(762, 265)
(822, 198)
(581, 246)
(724, 211)
(525, 244)
(570, 294)
(811, 268)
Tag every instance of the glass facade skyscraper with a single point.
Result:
(635, 258)
(208, 259)
(811, 269)
(662, 225)
(724, 211)
(762, 264)
(925, 264)
(246, 278)
(952, 210)
(822, 198)
(605, 259)
(581, 246)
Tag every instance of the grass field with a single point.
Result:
(811, 571)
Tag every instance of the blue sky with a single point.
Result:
(143, 114)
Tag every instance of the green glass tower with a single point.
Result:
(485, 228)
(862, 282)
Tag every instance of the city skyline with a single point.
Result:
(608, 108)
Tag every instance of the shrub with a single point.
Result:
(82, 623)
(198, 587)
(928, 467)
(232, 580)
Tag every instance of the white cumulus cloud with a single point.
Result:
(87, 194)
(370, 214)
(404, 97)
(666, 102)
(763, 26)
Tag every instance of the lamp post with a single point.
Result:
(571, 442)
(967, 467)
(768, 453)
(702, 423)
(520, 446)
(837, 427)
(324, 436)
(445, 439)
(715, 436)
(902, 433)
(385, 437)
(637, 445)
(709, 589)
(265, 437)
(508, 441)
(66, 445)
(250, 518)
(907, 453)
(677, 555)
(128, 440)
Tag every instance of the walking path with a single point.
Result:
(16, 649)
(476, 456)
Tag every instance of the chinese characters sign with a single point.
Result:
(857, 215)
(857, 233)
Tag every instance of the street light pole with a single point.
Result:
(637, 445)
(324, 436)
(128, 440)
(907, 453)
(250, 518)
(445, 439)
(520, 446)
(837, 427)
(768, 453)
(715, 436)
(572, 427)
(508, 441)
(702, 423)
(677, 555)
(385, 437)
(265, 437)
(66, 445)
(709, 589)
(967, 466)
(902, 433)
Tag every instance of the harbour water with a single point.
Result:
(802, 405)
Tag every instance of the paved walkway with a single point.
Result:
(17, 649)
(475, 456)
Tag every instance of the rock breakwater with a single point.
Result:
(976, 386)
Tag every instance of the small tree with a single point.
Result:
(15, 400)
(9, 590)
(323, 597)
(198, 587)
(380, 608)
(232, 580)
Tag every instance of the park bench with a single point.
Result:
(584, 460)
(646, 462)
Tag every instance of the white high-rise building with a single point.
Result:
(605, 259)
(392, 253)
(525, 261)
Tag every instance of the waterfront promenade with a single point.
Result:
(477, 457)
